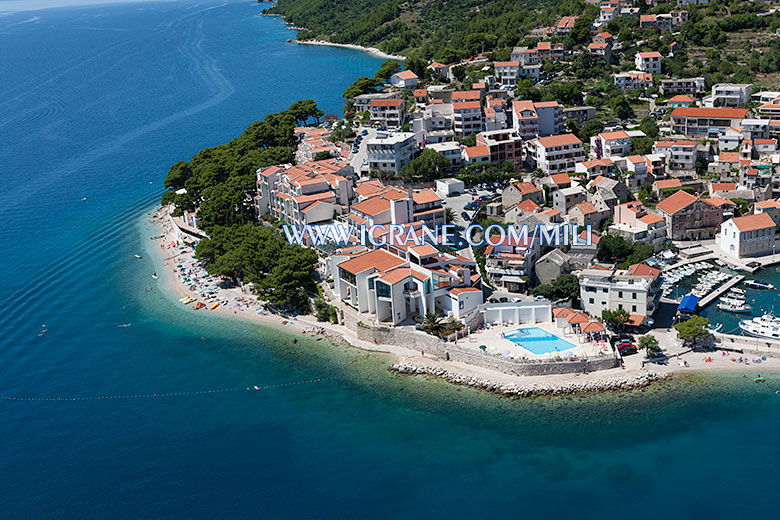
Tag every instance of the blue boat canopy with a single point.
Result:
(688, 303)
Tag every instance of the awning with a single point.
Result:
(688, 303)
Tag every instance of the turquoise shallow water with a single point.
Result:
(96, 102)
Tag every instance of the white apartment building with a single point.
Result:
(633, 80)
(394, 290)
(727, 95)
(684, 85)
(557, 153)
(649, 62)
(633, 289)
(531, 119)
(507, 72)
(751, 235)
(389, 152)
(706, 121)
(610, 144)
(467, 118)
(680, 155)
(388, 112)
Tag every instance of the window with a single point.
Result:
(382, 289)
(348, 277)
(633, 308)
(590, 300)
(460, 304)
(371, 283)
(633, 296)
(620, 294)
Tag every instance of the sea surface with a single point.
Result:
(95, 103)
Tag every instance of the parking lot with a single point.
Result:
(356, 159)
(458, 203)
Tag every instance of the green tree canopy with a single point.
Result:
(693, 328)
(428, 166)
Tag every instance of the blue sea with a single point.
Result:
(96, 101)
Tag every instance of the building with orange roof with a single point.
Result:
(531, 119)
(633, 80)
(467, 118)
(558, 181)
(601, 50)
(517, 192)
(307, 193)
(557, 153)
(680, 155)
(689, 218)
(477, 155)
(707, 122)
(586, 214)
(649, 62)
(749, 235)
(634, 222)
(565, 25)
(404, 79)
(394, 290)
(388, 112)
(609, 144)
(634, 290)
(466, 95)
(510, 262)
(680, 100)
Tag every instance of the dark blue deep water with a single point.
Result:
(96, 103)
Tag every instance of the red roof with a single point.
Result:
(645, 270)
(677, 201)
(559, 140)
(753, 222)
(387, 102)
(406, 74)
(725, 113)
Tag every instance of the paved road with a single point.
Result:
(356, 160)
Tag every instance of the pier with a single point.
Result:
(717, 293)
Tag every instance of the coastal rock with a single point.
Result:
(602, 384)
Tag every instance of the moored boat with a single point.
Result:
(766, 326)
(758, 284)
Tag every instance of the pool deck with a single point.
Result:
(496, 345)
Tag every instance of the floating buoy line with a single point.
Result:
(252, 388)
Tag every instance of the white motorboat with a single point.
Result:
(732, 307)
(766, 326)
(759, 284)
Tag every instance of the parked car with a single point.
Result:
(503, 299)
(753, 264)
(465, 216)
(626, 347)
(364, 132)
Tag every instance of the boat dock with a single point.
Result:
(717, 293)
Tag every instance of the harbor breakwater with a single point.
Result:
(627, 382)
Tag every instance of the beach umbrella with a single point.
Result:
(483, 347)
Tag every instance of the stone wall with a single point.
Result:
(420, 341)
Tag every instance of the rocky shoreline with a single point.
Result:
(603, 384)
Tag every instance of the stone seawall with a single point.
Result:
(627, 382)
(450, 351)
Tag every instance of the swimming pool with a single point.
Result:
(538, 341)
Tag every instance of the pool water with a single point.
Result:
(538, 341)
